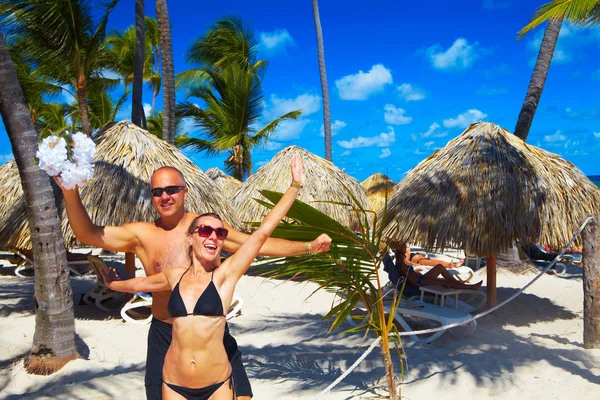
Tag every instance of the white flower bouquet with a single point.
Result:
(67, 155)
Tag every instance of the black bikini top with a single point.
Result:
(209, 303)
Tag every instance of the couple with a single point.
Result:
(180, 253)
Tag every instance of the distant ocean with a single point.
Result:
(595, 179)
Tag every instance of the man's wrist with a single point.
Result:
(307, 247)
(296, 185)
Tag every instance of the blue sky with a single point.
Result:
(404, 77)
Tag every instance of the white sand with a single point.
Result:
(530, 349)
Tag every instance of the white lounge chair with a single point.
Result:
(469, 301)
(100, 292)
(418, 309)
(76, 267)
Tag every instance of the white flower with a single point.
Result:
(84, 148)
(52, 153)
(76, 174)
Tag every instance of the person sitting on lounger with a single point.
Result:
(420, 259)
(437, 275)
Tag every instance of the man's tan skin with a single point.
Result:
(163, 243)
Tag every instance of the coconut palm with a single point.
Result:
(233, 102)
(137, 108)
(64, 39)
(153, 39)
(54, 337)
(350, 268)
(583, 13)
(323, 75)
(35, 86)
(168, 70)
(227, 42)
(155, 127)
(54, 117)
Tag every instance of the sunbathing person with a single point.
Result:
(438, 275)
(162, 243)
(196, 364)
(420, 259)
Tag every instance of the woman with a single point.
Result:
(196, 364)
(431, 277)
(420, 259)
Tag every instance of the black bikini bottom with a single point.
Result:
(201, 393)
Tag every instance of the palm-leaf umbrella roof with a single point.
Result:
(126, 156)
(486, 189)
(228, 184)
(378, 188)
(325, 183)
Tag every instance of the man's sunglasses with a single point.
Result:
(207, 230)
(171, 190)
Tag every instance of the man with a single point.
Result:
(162, 244)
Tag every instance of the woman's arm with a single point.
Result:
(239, 262)
(154, 283)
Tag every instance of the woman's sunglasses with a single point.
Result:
(171, 190)
(207, 230)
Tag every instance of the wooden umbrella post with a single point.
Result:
(130, 264)
(491, 280)
(591, 284)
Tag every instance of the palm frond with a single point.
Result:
(583, 13)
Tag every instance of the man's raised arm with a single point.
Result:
(275, 247)
(115, 238)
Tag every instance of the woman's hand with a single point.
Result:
(297, 171)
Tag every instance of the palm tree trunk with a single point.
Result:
(324, 87)
(137, 109)
(54, 337)
(168, 69)
(154, 96)
(538, 78)
(389, 370)
(84, 115)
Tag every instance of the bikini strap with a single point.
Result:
(181, 277)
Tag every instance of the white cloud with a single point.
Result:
(495, 4)
(346, 153)
(273, 145)
(465, 119)
(4, 158)
(361, 85)
(290, 129)
(433, 131)
(276, 40)
(308, 103)
(555, 137)
(429, 144)
(384, 139)
(336, 127)
(147, 109)
(408, 92)
(597, 135)
(460, 55)
(419, 152)
(385, 153)
(395, 116)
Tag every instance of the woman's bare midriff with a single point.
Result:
(197, 357)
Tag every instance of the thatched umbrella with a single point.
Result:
(119, 192)
(487, 189)
(378, 188)
(324, 182)
(228, 184)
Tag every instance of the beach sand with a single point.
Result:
(530, 349)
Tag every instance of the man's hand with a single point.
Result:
(320, 244)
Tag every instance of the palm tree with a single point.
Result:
(538, 78)
(54, 337)
(54, 117)
(153, 38)
(155, 127)
(168, 69)
(137, 108)
(580, 13)
(324, 87)
(232, 108)
(350, 268)
(63, 39)
(34, 85)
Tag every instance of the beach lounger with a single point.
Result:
(100, 292)
(78, 264)
(430, 312)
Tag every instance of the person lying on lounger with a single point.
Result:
(420, 259)
(437, 275)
